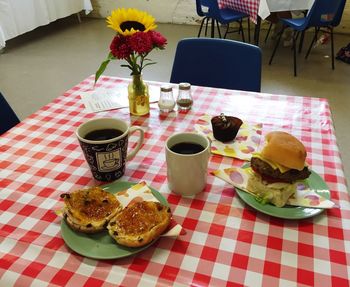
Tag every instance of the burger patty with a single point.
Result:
(266, 170)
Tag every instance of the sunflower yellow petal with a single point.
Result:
(121, 16)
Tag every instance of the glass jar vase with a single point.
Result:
(138, 96)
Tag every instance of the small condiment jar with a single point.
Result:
(166, 101)
(184, 99)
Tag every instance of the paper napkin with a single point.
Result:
(141, 192)
(304, 196)
(246, 142)
(101, 99)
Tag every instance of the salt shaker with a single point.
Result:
(166, 101)
(184, 99)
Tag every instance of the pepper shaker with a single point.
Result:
(166, 101)
(184, 99)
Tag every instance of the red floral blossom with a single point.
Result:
(134, 49)
(141, 43)
(158, 40)
(120, 47)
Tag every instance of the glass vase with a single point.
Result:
(138, 96)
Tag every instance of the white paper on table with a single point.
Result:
(102, 99)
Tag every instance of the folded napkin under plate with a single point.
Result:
(242, 147)
(305, 196)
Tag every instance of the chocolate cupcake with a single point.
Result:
(225, 128)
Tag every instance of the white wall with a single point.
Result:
(165, 11)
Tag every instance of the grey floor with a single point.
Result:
(37, 67)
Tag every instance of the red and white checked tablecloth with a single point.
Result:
(250, 7)
(263, 8)
(227, 242)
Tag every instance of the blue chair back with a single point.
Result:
(212, 9)
(200, 11)
(218, 63)
(320, 15)
(339, 14)
(8, 118)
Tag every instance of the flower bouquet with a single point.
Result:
(134, 40)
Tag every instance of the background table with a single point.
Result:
(268, 6)
(37, 13)
(261, 9)
(227, 243)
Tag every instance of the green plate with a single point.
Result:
(101, 245)
(289, 212)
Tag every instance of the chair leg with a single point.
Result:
(295, 53)
(296, 37)
(248, 29)
(268, 33)
(200, 28)
(301, 41)
(227, 28)
(332, 47)
(277, 43)
(206, 26)
(314, 39)
(241, 28)
(218, 27)
(212, 28)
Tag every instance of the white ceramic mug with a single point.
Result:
(187, 173)
(107, 157)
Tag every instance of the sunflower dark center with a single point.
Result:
(128, 25)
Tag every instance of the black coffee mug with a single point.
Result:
(104, 142)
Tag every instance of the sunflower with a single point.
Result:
(127, 22)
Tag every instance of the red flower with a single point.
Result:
(134, 49)
(141, 42)
(120, 47)
(158, 40)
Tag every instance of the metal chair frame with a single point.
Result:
(313, 19)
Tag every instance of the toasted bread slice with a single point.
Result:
(140, 223)
(89, 210)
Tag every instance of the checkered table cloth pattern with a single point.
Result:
(250, 7)
(227, 242)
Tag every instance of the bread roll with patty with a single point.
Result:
(277, 168)
(140, 223)
(284, 149)
(89, 210)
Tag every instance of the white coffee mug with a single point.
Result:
(187, 157)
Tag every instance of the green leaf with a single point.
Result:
(145, 65)
(127, 66)
(103, 67)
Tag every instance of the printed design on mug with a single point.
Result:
(109, 160)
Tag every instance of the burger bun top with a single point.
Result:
(284, 149)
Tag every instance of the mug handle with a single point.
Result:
(133, 129)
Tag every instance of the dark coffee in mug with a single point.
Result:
(104, 142)
(187, 148)
(103, 134)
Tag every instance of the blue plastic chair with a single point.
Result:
(8, 118)
(222, 16)
(317, 19)
(219, 63)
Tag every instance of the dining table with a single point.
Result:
(260, 9)
(225, 241)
